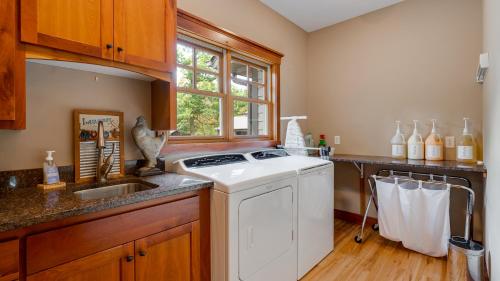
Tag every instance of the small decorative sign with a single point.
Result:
(85, 134)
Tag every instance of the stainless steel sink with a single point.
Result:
(113, 190)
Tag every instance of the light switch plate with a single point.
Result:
(449, 141)
(336, 140)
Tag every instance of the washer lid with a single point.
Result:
(293, 162)
(240, 176)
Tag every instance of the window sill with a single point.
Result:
(215, 146)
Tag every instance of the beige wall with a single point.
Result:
(52, 94)
(492, 135)
(413, 60)
(254, 20)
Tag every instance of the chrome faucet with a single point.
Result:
(104, 164)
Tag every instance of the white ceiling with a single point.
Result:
(312, 15)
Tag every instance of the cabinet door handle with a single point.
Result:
(130, 258)
(109, 46)
(119, 49)
(142, 253)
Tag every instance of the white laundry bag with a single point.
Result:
(425, 217)
(389, 214)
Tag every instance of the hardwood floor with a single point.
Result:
(375, 259)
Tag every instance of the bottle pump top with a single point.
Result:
(398, 137)
(415, 131)
(434, 126)
(466, 127)
(49, 155)
(398, 130)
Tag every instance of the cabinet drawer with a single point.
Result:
(9, 260)
(62, 245)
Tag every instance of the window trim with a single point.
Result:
(204, 31)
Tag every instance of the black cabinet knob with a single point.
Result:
(130, 258)
(109, 46)
(119, 49)
(142, 253)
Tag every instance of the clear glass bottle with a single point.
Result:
(398, 143)
(416, 144)
(466, 145)
(434, 146)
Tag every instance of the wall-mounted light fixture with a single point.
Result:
(482, 69)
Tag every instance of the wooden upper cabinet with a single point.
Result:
(137, 32)
(172, 255)
(80, 26)
(145, 33)
(115, 264)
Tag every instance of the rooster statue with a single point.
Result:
(149, 144)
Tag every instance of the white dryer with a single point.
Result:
(315, 206)
(253, 218)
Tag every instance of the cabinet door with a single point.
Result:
(145, 33)
(12, 70)
(172, 255)
(9, 260)
(79, 26)
(115, 264)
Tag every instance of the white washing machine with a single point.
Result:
(315, 206)
(253, 218)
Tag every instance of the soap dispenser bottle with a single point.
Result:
(398, 143)
(434, 145)
(466, 145)
(50, 171)
(416, 144)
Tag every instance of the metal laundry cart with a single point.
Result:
(432, 178)
(465, 257)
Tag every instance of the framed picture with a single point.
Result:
(85, 147)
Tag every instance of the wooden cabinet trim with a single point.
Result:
(199, 27)
(49, 249)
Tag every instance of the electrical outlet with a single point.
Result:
(336, 140)
(449, 142)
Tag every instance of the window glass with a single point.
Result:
(202, 95)
(184, 78)
(184, 55)
(198, 115)
(239, 88)
(207, 61)
(256, 75)
(239, 71)
(250, 119)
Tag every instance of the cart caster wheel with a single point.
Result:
(375, 227)
(357, 239)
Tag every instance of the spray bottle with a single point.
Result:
(398, 143)
(416, 144)
(434, 145)
(466, 145)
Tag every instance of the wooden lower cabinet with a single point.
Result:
(9, 260)
(172, 255)
(115, 264)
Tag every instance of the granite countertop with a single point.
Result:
(23, 207)
(381, 160)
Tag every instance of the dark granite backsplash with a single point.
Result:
(32, 177)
